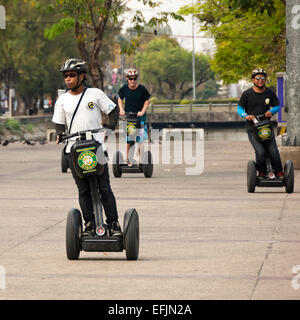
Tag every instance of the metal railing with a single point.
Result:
(191, 108)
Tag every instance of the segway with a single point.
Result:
(64, 160)
(88, 159)
(119, 166)
(263, 130)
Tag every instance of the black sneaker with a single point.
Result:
(89, 229)
(115, 229)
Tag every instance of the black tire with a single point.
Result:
(289, 176)
(251, 176)
(117, 160)
(73, 234)
(131, 234)
(64, 161)
(147, 164)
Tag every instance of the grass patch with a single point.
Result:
(29, 127)
(12, 125)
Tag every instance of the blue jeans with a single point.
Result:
(261, 149)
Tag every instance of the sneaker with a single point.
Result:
(261, 175)
(115, 229)
(89, 229)
(131, 163)
(280, 175)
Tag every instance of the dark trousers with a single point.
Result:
(261, 148)
(85, 198)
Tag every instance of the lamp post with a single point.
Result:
(193, 57)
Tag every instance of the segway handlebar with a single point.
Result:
(128, 115)
(259, 117)
(63, 137)
(131, 114)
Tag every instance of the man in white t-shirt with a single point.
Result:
(87, 116)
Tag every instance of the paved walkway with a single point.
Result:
(202, 236)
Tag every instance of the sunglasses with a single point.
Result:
(132, 79)
(258, 78)
(71, 75)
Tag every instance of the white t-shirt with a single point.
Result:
(88, 115)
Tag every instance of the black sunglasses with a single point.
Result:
(258, 78)
(132, 78)
(71, 75)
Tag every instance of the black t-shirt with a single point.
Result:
(134, 99)
(258, 103)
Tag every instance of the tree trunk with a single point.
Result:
(96, 73)
(172, 92)
(293, 72)
(91, 58)
(190, 89)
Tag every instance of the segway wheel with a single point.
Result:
(147, 164)
(131, 234)
(73, 234)
(64, 161)
(251, 176)
(117, 160)
(289, 176)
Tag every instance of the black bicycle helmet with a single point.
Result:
(74, 64)
(258, 71)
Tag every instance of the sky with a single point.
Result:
(182, 30)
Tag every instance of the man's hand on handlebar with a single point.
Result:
(140, 114)
(268, 114)
(250, 117)
(59, 138)
(122, 112)
(256, 118)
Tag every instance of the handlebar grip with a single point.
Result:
(61, 137)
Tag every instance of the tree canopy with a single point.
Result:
(167, 68)
(40, 35)
(247, 34)
(29, 62)
(89, 20)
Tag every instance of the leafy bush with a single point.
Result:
(12, 124)
(185, 101)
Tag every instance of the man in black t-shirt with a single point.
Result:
(255, 101)
(137, 100)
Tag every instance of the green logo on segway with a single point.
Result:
(264, 133)
(131, 128)
(87, 160)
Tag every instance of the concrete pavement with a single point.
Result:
(201, 236)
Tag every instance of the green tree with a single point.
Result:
(167, 68)
(210, 89)
(247, 34)
(149, 33)
(29, 62)
(89, 20)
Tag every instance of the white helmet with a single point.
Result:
(258, 71)
(131, 73)
(74, 64)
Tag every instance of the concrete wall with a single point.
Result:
(167, 117)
